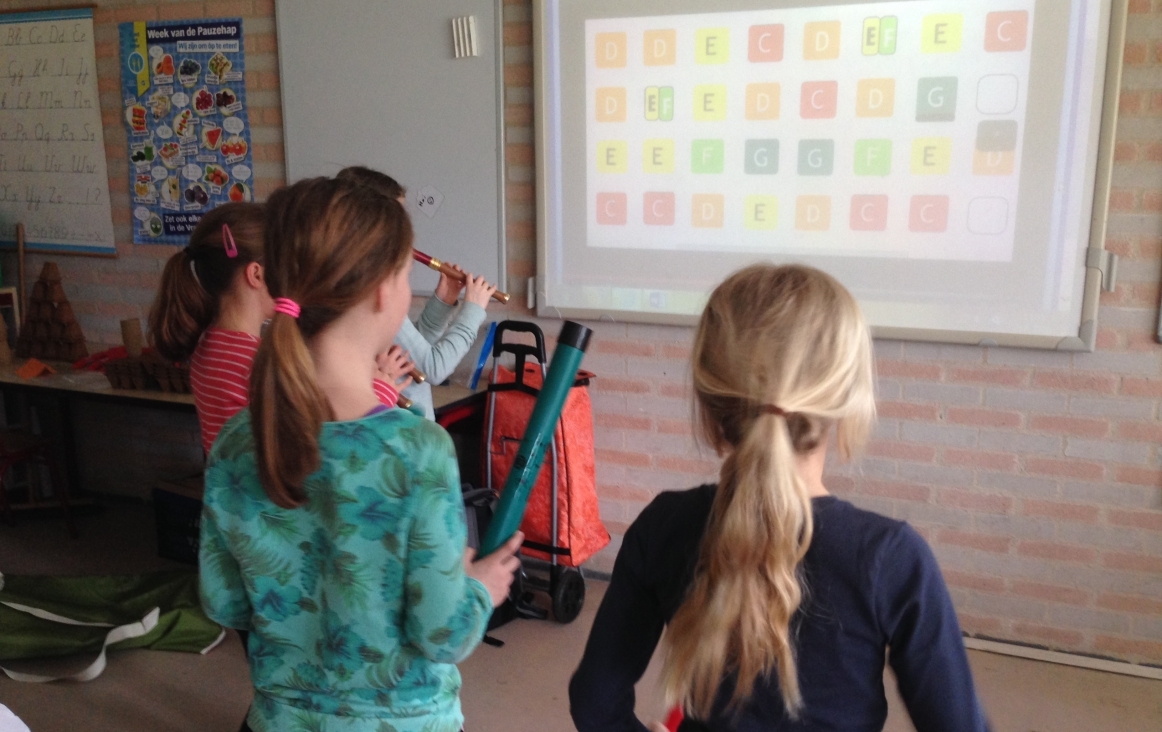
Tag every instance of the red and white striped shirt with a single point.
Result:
(220, 380)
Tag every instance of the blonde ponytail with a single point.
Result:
(781, 354)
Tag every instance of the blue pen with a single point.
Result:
(484, 353)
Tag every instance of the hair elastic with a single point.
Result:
(772, 409)
(287, 306)
(228, 242)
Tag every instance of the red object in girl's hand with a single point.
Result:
(675, 719)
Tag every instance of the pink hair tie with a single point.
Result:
(286, 306)
(228, 242)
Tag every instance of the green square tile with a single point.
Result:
(708, 156)
(873, 157)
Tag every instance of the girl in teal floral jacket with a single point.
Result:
(333, 527)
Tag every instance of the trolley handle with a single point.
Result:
(519, 326)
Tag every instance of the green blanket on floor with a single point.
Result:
(44, 617)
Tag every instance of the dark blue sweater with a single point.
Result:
(873, 589)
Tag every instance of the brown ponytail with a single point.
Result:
(781, 355)
(195, 278)
(329, 244)
(381, 182)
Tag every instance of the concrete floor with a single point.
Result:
(518, 688)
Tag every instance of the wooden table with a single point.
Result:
(68, 387)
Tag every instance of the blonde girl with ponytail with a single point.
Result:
(333, 527)
(779, 601)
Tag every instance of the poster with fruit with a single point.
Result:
(188, 121)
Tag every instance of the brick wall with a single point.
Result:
(1036, 476)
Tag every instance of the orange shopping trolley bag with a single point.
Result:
(562, 524)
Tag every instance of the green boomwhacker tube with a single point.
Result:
(571, 345)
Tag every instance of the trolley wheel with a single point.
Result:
(568, 595)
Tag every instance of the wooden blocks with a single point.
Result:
(50, 329)
(149, 371)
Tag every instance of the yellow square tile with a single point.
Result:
(932, 156)
(942, 33)
(710, 102)
(658, 156)
(612, 156)
(762, 213)
(712, 45)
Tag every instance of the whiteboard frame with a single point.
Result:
(501, 158)
(1095, 277)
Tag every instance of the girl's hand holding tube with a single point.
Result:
(479, 291)
(496, 570)
(448, 289)
(393, 367)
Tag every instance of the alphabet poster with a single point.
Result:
(53, 177)
(883, 129)
(188, 122)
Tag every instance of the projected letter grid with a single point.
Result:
(887, 129)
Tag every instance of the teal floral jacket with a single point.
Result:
(357, 603)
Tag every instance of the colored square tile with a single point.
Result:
(708, 156)
(936, 99)
(660, 47)
(942, 33)
(712, 45)
(612, 209)
(993, 163)
(611, 50)
(821, 40)
(816, 157)
(932, 156)
(988, 216)
(762, 157)
(889, 27)
(875, 98)
(658, 156)
(997, 135)
(710, 102)
(653, 103)
(708, 211)
(611, 105)
(869, 213)
(929, 214)
(666, 103)
(658, 209)
(1008, 31)
(761, 213)
(612, 156)
(997, 94)
(820, 99)
(873, 157)
(871, 37)
(813, 213)
(762, 101)
(766, 43)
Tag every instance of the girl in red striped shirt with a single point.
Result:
(211, 307)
